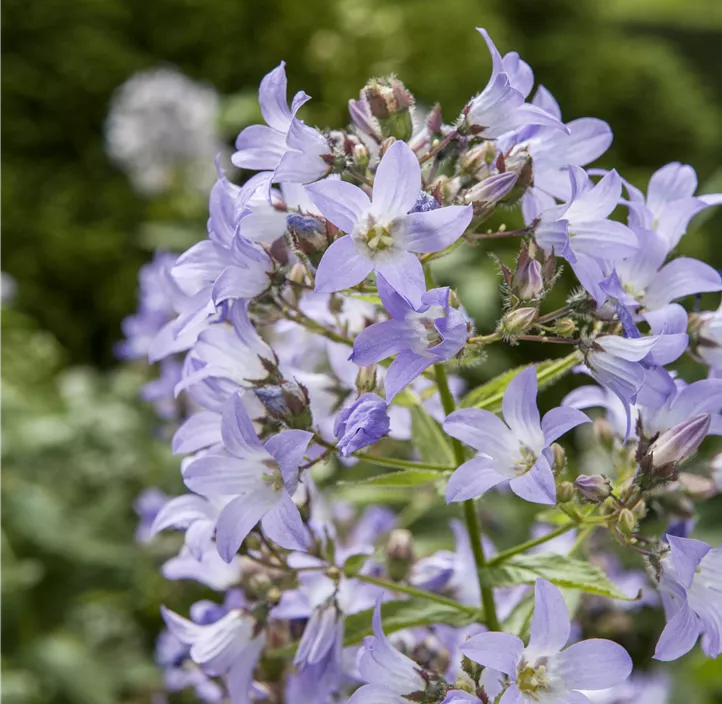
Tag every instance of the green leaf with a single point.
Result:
(565, 572)
(405, 478)
(429, 439)
(490, 395)
(397, 615)
(354, 563)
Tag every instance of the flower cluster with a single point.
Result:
(305, 335)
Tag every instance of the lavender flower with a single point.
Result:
(382, 233)
(515, 449)
(259, 479)
(542, 670)
(420, 335)
(361, 424)
(147, 505)
(708, 337)
(691, 589)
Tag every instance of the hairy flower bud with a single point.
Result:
(626, 521)
(361, 424)
(565, 492)
(593, 487)
(287, 403)
(528, 281)
(297, 274)
(487, 193)
(391, 104)
(560, 457)
(366, 379)
(565, 327)
(679, 442)
(399, 553)
(517, 322)
(361, 156)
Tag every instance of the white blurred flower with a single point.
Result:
(162, 126)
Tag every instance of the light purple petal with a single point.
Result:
(288, 449)
(536, 485)
(500, 651)
(678, 636)
(405, 275)
(183, 629)
(272, 98)
(369, 694)
(394, 303)
(283, 524)
(434, 230)
(674, 218)
(341, 267)
(687, 553)
(182, 511)
(239, 282)
(239, 435)
(259, 148)
(513, 696)
(630, 349)
(218, 475)
(483, 431)
(397, 182)
(340, 202)
(593, 664)
(561, 420)
(671, 182)
(546, 101)
(239, 518)
(587, 140)
(603, 239)
(472, 479)
(379, 341)
(550, 626)
(202, 429)
(598, 202)
(198, 537)
(681, 277)
(520, 410)
(403, 370)
(239, 679)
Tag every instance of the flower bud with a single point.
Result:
(366, 379)
(473, 159)
(524, 180)
(626, 521)
(560, 457)
(517, 322)
(565, 327)
(679, 442)
(565, 492)
(593, 488)
(487, 193)
(361, 424)
(361, 156)
(297, 274)
(434, 121)
(528, 282)
(391, 104)
(287, 403)
(603, 432)
(399, 553)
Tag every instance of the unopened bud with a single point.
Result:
(399, 553)
(523, 182)
(476, 157)
(487, 193)
(560, 457)
(385, 146)
(528, 282)
(640, 509)
(297, 275)
(517, 322)
(434, 121)
(366, 379)
(391, 104)
(565, 492)
(287, 402)
(472, 669)
(626, 521)
(679, 442)
(274, 595)
(565, 327)
(361, 156)
(603, 432)
(593, 487)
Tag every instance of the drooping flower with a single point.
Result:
(515, 449)
(361, 424)
(258, 481)
(542, 671)
(382, 233)
(419, 335)
(691, 590)
(501, 106)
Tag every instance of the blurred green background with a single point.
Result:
(80, 601)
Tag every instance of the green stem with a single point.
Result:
(419, 593)
(472, 523)
(506, 554)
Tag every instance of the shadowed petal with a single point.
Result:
(561, 420)
(403, 370)
(687, 553)
(181, 511)
(434, 230)
(239, 435)
(238, 519)
(512, 696)
(379, 341)
(681, 277)
(340, 202)
(536, 485)
(593, 664)
(472, 479)
(202, 429)
(678, 636)
(283, 524)
(288, 449)
(500, 651)
(405, 275)
(341, 267)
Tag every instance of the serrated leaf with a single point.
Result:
(565, 572)
(429, 439)
(489, 395)
(404, 478)
(354, 563)
(397, 615)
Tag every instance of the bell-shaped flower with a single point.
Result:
(382, 233)
(225, 648)
(515, 449)
(361, 424)
(501, 106)
(419, 335)
(691, 589)
(208, 569)
(542, 671)
(257, 481)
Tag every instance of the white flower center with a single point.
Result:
(272, 476)
(377, 239)
(533, 678)
(421, 329)
(526, 460)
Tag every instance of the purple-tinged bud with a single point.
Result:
(626, 522)
(593, 487)
(487, 193)
(399, 553)
(434, 122)
(424, 203)
(528, 281)
(565, 492)
(385, 146)
(366, 379)
(679, 442)
(524, 180)
(517, 322)
(391, 104)
(361, 424)
(363, 119)
(287, 403)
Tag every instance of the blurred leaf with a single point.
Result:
(354, 563)
(404, 478)
(429, 439)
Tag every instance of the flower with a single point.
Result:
(708, 338)
(390, 676)
(500, 107)
(516, 448)
(542, 671)
(691, 590)
(257, 480)
(419, 335)
(679, 442)
(361, 424)
(149, 502)
(381, 232)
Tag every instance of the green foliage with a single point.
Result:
(404, 478)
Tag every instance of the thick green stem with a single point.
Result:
(472, 523)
